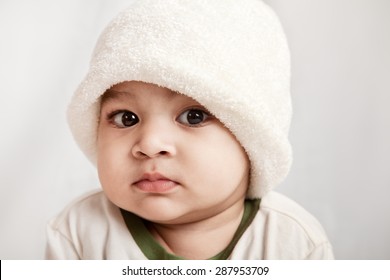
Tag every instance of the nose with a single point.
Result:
(154, 140)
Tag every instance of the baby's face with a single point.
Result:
(162, 156)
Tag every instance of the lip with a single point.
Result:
(155, 183)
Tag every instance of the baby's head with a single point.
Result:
(229, 58)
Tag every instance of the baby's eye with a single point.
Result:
(123, 119)
(192, 117)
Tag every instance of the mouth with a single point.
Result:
(155, 183)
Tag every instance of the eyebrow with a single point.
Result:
(111, 94)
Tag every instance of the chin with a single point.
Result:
(162, 217)
(159, 210)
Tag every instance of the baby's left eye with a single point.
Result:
(193, 117)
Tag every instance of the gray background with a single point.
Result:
(340, 130)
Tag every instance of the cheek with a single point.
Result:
(104, 165)
(223, 164)
(112, 145)
(231, 164)
(230, 152)
(111, 159)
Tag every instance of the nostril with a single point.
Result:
(141, 154)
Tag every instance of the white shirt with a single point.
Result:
(93, 228)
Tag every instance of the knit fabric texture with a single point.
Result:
(231, 56)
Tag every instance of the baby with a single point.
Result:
(185, 111)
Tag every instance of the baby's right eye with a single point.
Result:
(123, 119)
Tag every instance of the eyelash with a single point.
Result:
(199, 113)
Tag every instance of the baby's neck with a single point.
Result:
(200, 239)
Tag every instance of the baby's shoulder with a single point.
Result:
(89, 208)
(290, 216)
(90, 227)
(282, 229)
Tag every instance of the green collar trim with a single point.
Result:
(154, 251)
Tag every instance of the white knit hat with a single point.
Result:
(231, 56)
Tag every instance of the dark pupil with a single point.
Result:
(129, 119)
(195, 116)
